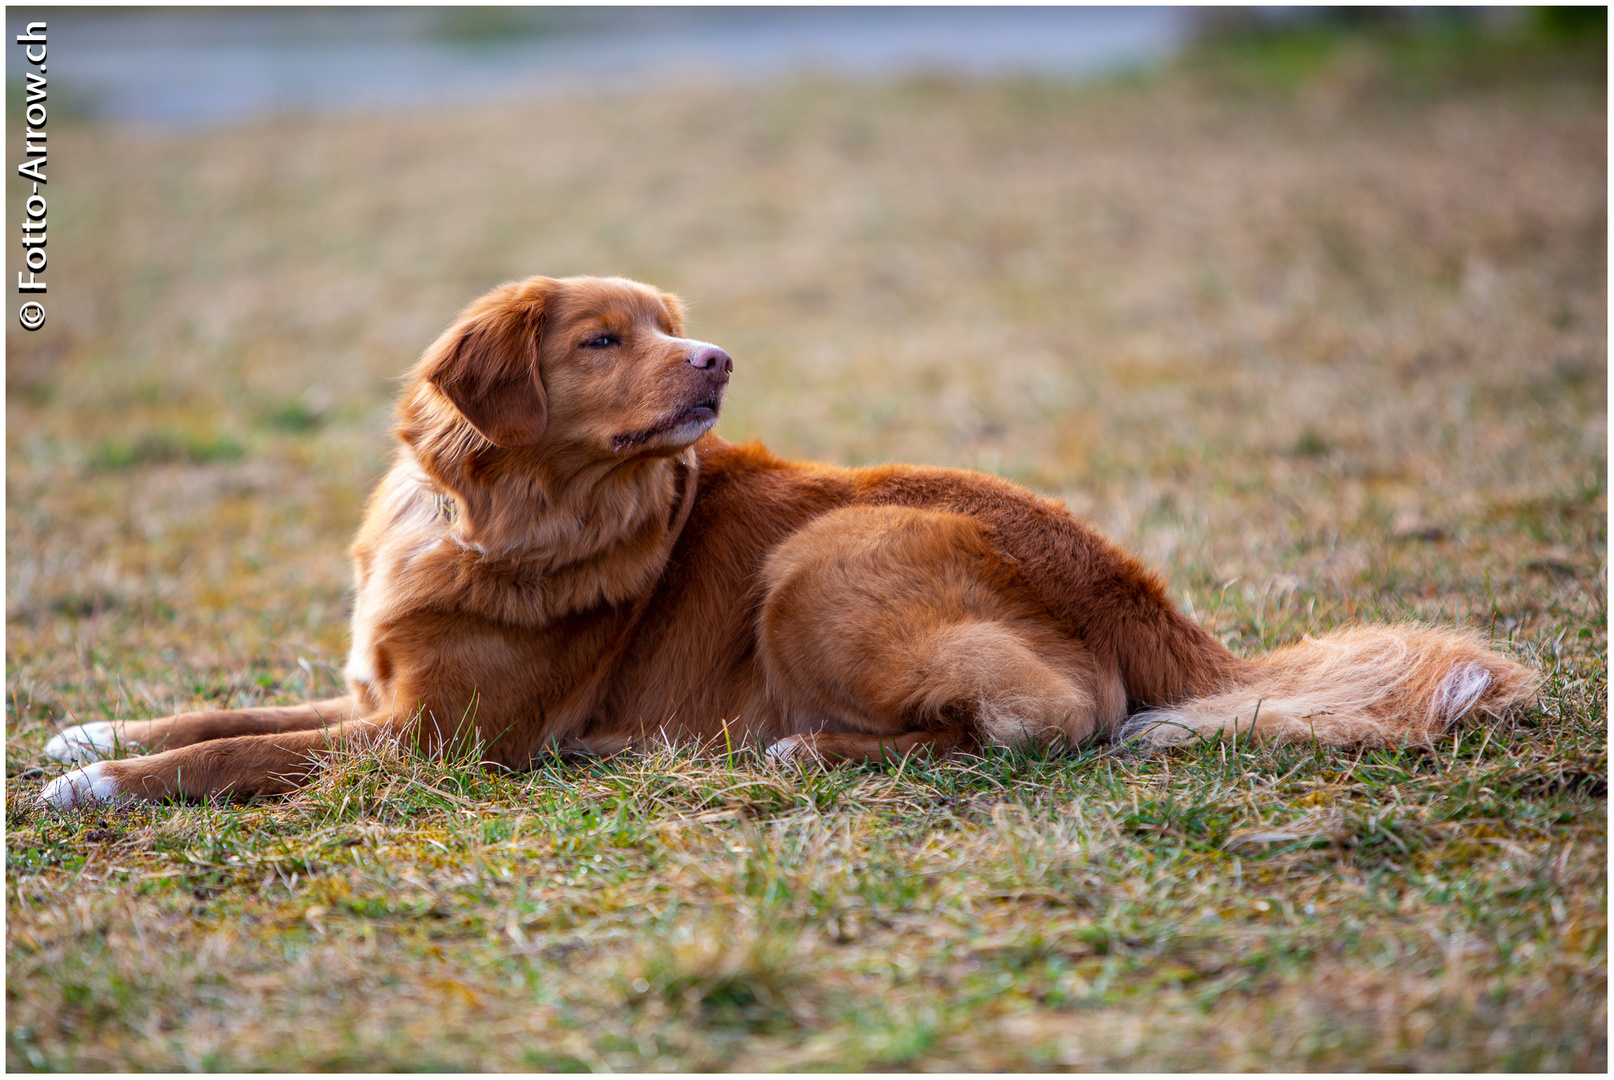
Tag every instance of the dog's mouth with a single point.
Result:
(679, 429)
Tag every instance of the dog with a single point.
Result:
(564, 556)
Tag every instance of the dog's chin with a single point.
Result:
(672, 434)
(695, 422)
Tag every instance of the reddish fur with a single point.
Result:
(852, 612)
(172, 732)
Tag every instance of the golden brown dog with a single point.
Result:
(563, 555)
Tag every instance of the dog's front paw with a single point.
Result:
(82, 742)
(89, 786)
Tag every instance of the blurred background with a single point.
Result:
(1306, 306)
(189, 67)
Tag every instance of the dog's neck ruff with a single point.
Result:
(446, 508)
(581, 701)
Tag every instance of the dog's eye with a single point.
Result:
(604, 341)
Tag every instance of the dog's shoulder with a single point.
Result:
(750, 481)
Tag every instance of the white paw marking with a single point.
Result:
(788, 748)
(82, 742)
(1157, 727)
(1460, 690)
(84, 787)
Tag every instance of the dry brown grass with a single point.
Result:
(1326, 355)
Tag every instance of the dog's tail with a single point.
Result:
(1371, 685)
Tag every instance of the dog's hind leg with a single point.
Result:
(834, 747)
(888, 630)
(109, 738)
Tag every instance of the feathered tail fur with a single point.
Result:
(1373, 685)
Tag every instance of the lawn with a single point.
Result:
(1317, 326)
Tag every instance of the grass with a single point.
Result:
(1324, 346)
(1228, 907)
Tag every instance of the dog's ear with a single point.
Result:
(487, 365)
(675, 309)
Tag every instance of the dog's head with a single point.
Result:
(575, 367)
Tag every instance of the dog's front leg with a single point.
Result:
(109, 738)
(238, 766)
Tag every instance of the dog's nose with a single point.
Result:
(712, 359)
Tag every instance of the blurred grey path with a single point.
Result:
(202, 67)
